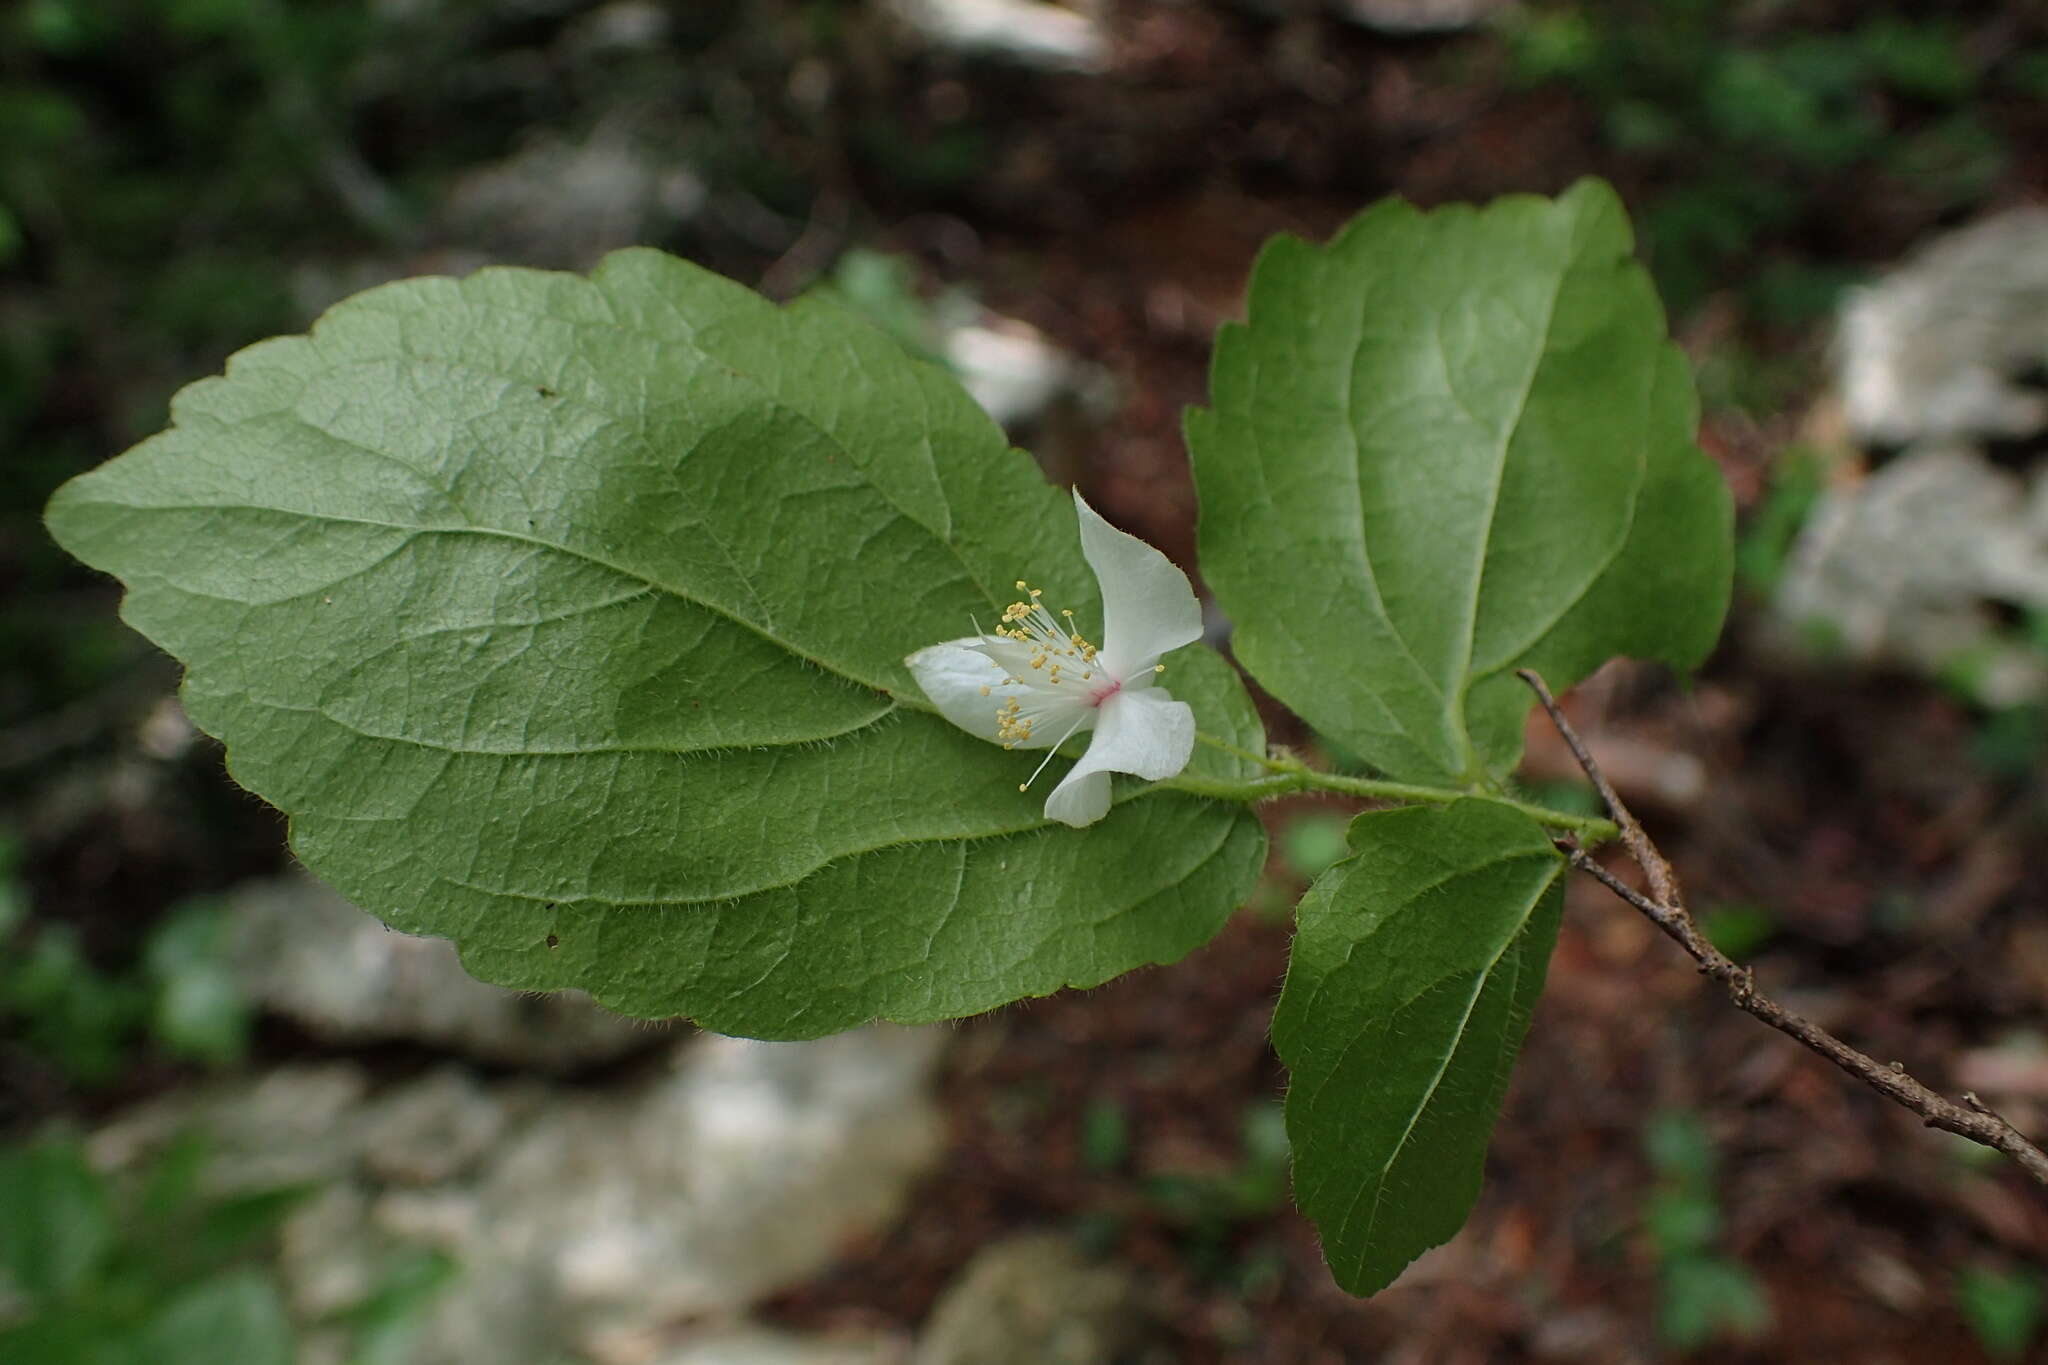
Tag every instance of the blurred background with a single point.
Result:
(240, 1121)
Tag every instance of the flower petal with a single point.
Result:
(1081, 799)
(955, 674)
(1147, 733)
(952, 675)
(1147, 606)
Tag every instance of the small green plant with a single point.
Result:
(1312, 842)
(1737, 929)
(183, 996)
(2008, 741)
(2003, 1308)
(1702, 1295)
(1105, 1135)
(1765, 548)
(1208, 1209)
(883, 288)
(156, 1270)
(1743, 126)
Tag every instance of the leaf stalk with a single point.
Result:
(1287, 774)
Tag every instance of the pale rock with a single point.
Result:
(750, 1344)
(432, 1130)
(1028, 32)
(582, 1223)
(306, 953)
(1032, 1300)
(1903, 567)
(1938, 350)
(621, 26)
(1419, 16)
(561, 201)
(1010, 369)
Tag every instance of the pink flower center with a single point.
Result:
(1099, 695)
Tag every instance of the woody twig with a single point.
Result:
(1664, 906)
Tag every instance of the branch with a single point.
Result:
(1665, 908)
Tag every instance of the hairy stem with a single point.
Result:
(1286, 774)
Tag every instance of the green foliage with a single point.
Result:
(2003, 1308)
(1414, 971)
(1953, 163)
(149, 1272)
(2008, 741)
(58, 1221)
(1105, 1135)
(931, 162)
(1742, 126)
(67, 1010)
(1444, 447)
(183, 994)
(1311, 841)
(1798, 479)
(1209, 1209)
(1925, 59)
(1738, 930)
(883, 289)
(239, 1313)
(386, 1320)
(583, 607)
(96, 1270)
(199, 1010)
(1703, 1296)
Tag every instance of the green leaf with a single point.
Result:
(170, 1185)
(388, 1319)
(1105, 1135)
(200, 1011)
(565, 617)
(1414, 971)
(232, 1224)
(2002, 1307)
(72, 1337)
(1446, 446)
(1702, 1298)
(56, 1221)
(238, 1315)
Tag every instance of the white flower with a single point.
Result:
(1035, 681)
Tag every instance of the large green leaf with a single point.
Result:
(565, 618)
(1446, 446)
(1414, 971)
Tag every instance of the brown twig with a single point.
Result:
(1665, 907)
